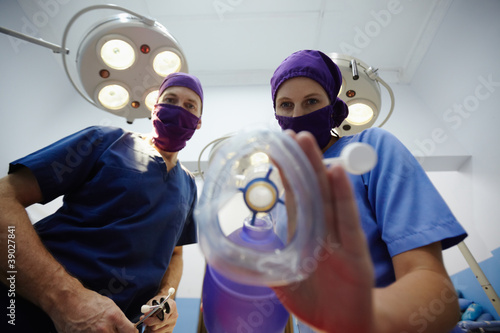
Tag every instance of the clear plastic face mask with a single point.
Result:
(258, 215)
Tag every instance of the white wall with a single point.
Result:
(454, 76)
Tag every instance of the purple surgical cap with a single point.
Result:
(319, 67)
(182, 80)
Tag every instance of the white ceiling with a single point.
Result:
(240, 42)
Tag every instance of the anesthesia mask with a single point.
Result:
(260, 215)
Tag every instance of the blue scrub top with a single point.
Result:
(400, 209)
(122, 212)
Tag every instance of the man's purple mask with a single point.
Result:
(320, 68)
(173, 126)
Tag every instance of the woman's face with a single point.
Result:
(300, 96)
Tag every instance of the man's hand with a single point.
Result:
(90, 312)
(41, 279)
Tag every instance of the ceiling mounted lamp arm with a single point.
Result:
(372, 74)
(55, 48)
(213, 142)
(145, 19)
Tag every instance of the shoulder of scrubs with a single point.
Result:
(408, 210)
(64, 165)
(189, 233)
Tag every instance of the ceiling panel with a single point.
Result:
(243, 44)
(231, 42)
(231, 9)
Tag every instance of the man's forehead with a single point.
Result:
(176, 90)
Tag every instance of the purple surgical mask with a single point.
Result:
(318, 123)
(173, 126)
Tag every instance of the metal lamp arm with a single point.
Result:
(372, 74)
(55, 48)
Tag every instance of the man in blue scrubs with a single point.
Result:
(116, 242)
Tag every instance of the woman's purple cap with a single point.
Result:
(182, 80)
(317, 66)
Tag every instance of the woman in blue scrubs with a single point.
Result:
(388, 274)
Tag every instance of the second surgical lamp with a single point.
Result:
(360, 90)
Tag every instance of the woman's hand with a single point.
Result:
(337, 296)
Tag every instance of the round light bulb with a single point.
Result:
(151, 99)
(360, 114)
(259, 158)
(113, 97)
(166, 62)
(117, 54)
(261, 196)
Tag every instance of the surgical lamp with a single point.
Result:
(121, 61)
(360, 90)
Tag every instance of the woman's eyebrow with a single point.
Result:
(312, 95)
(283, 98)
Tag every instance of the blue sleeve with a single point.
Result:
(189, 233)
(409, 211)
(66, 164)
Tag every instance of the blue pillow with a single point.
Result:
(473, 312)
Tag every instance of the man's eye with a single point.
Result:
(168, 100)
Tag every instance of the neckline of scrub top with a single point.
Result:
(146, 139)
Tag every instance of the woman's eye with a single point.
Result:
(286, 105)
(312, 101)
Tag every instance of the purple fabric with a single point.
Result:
(173, 126)
(182, 80)
(318, 123)
(317, 66)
